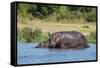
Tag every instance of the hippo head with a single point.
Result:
(54, 40)
(42, 45)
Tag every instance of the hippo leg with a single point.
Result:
(63, 46)
(58, 46)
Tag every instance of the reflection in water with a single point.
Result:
(27, 54)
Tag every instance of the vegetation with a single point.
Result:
(27, 35)
(35, 21)
(92, 37)
(56, 12)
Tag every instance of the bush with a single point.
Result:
(85, 26)
(39, 36)
(28, 35)
(59, 12)
(90, 17)
(20, 37)
(92, 37)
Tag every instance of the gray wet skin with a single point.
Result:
(65, 40)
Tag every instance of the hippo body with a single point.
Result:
(66, 40)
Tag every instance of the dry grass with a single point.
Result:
(55, 27)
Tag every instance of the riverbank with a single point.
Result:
(38, 30)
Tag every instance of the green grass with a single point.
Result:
(92, 37)
(32, 36)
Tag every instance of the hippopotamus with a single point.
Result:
(42, 45)
(65, 40)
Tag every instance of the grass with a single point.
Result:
(52, 27)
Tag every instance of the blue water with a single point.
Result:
(27, 54)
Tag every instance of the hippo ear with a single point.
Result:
(49, 34)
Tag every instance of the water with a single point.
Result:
(27, 54)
